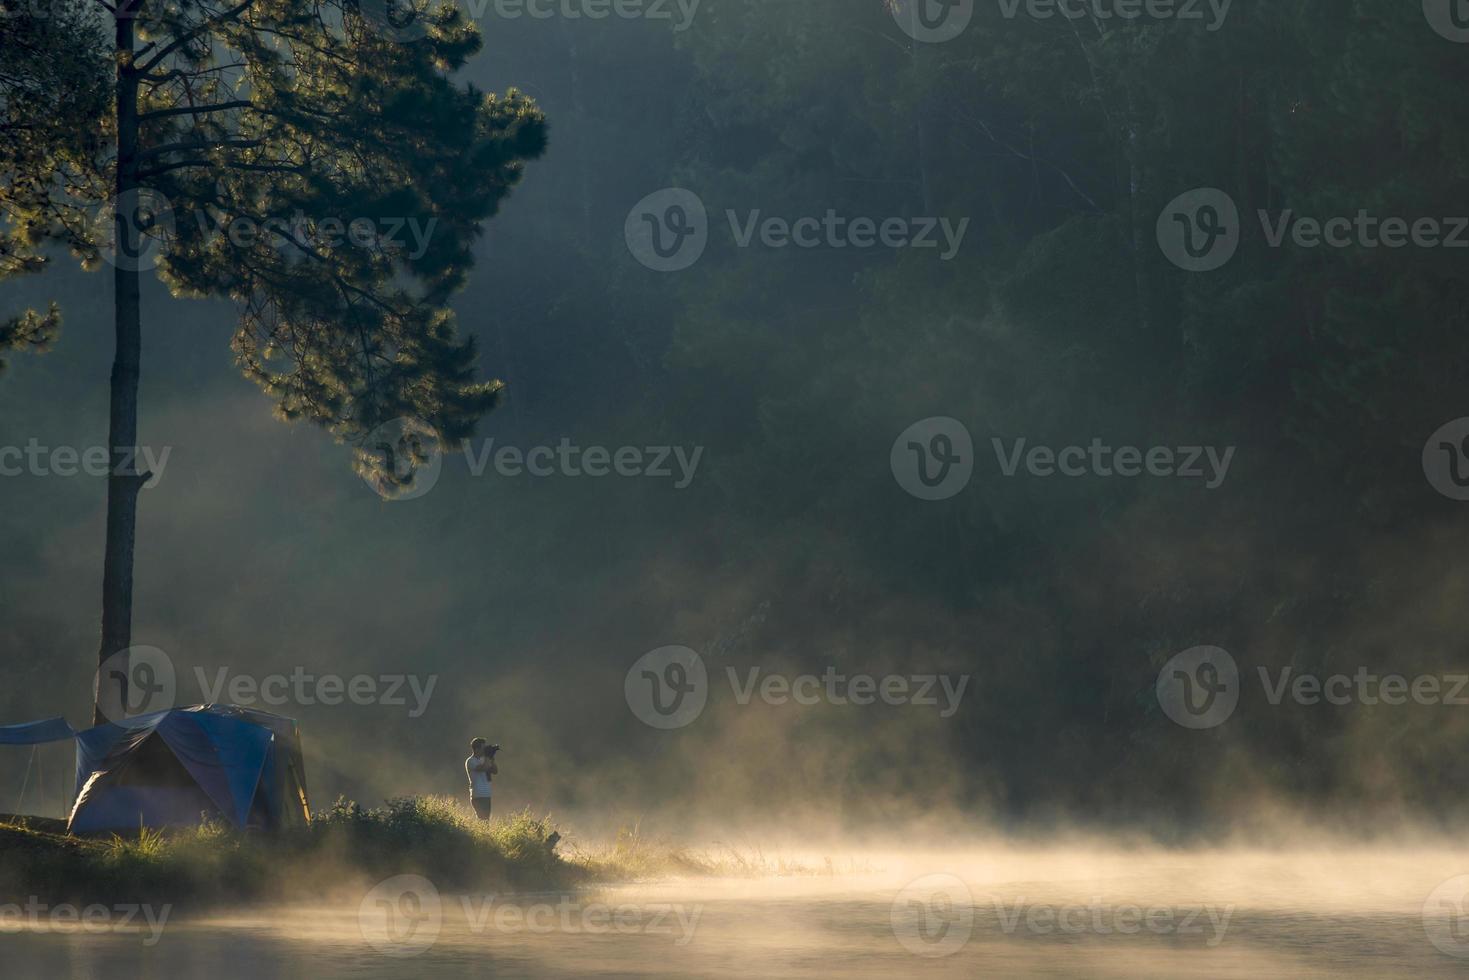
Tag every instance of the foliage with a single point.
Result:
(276, 153)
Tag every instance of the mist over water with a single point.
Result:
(1080, 596)
(1028, 912)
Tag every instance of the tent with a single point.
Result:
(174, 768)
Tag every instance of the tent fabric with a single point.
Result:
(96, 745)
(245, 764)
(37, 732)
(224, 755)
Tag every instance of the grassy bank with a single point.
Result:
(346, 847)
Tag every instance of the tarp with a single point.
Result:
(245, 764)
(37, 732)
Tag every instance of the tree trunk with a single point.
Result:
(124, 482)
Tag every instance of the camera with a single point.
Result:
(490, 750)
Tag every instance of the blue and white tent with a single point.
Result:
(177, 767)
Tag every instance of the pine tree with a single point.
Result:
(277, 153)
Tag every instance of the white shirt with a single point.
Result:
(479, 778)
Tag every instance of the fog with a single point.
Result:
(518, 603)
(1057, 911)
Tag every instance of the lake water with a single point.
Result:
(1003, 913)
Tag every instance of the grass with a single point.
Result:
(346, 846)
(347, 849)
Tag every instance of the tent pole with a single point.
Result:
(20, 803)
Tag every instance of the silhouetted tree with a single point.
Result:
(316, 165)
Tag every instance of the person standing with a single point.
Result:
(481, 768)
